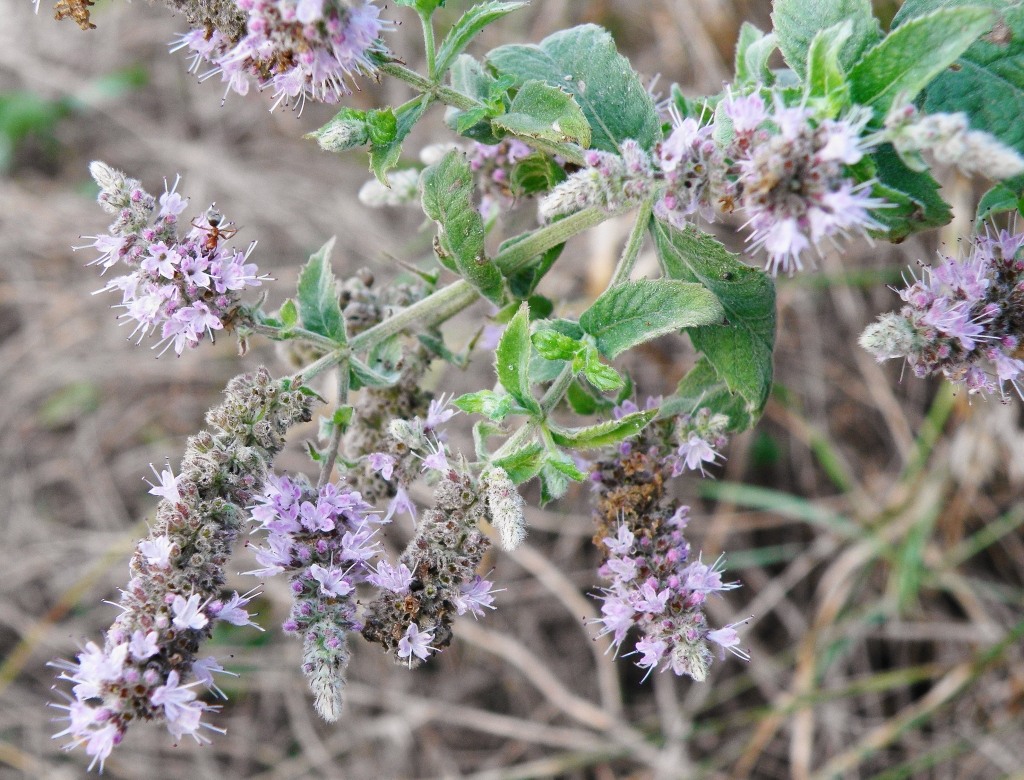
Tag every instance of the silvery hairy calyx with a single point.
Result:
(802, 160)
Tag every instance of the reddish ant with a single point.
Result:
(212, 228)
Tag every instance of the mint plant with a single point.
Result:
(804, 150)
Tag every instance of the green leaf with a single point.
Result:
(610, 432)
(540, 111)
(385, 156)
(583, 402)
(467, 27)
(703, 387)
(997, 200)
(796, 23)
(825, 76)
(604, 378)
(448, 200)
(634, 312)
(512, 359)
(289, 313)
(913, 54)
(535, 173)
(584, 61)
(524, 463)
(522, 283)
(555, 474)
(914, 197)
(552, 345)
(987, 83)
(318, 297)
(347, 130)
(753, 49)
(490, 404)
(740, 351)
(365, 376)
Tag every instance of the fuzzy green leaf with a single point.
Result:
(997, 200)
(825, 77)
(448, 200)
(915, 53)
(466, 28)
(987, 83)
(492, 405)
(915, 203)
(523, 464)
(796, 23)
(703, 387)
(741, 350)
(317, 296)
(753, 49)
(385, 156)
(512, 359)
(634, 312)
(610, 432)
(584, 61)
(553, 345)
(542, 112)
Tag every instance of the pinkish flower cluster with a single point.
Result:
(784, 168)
(791, 179)
(692, 167)
(963, 319)
(659, 590)
(148, 667)
(324, 539)
(297, 49)
(493, 164)
(683, 444)
(183, 288)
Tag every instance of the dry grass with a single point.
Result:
(874, 522)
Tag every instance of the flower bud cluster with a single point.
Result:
(683, 443)
(173, 599)
(610, 181)
(441, 560)
(963, 319)
(784, 168)
(951, 141)
(185, 288)
(791, 179)
(656, 585)
(324, 541)
(297, 49)
(505, 507)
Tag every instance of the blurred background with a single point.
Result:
(872, 518)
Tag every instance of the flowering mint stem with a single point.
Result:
(446, 95)
(513, 442)
(330, 457)
(292, 333)
(449, 301)
(636, 239)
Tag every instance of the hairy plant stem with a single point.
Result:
(631, 251)
(330, 457)
(429, 45)
(292, 333)
(558, 388)
(449, 301)
(447, 95)
(512, 443)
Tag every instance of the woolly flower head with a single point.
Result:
(791, 178)
(297, 49)
(963, 319)
(182, 287)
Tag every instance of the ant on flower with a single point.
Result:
(212, 228)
